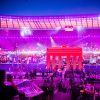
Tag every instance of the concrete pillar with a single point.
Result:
(59, 62)
(80, 63)
(53, 62)
(48, 61)
(68, 62)
(74, 62)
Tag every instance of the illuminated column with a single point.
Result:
(48, 61)
(74, 63)
(53, 62)
(68, 62)
(59, 62)
(80, 63)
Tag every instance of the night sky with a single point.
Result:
(49, 7)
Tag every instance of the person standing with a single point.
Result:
(7, 92)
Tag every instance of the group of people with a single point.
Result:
(31, 74)
(84, 90)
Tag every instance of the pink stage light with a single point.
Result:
(57, 28)
(25, 32)
(38, 44)
(79, 28)
(52, 41)
(29, 52)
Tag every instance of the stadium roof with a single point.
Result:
(50, 22)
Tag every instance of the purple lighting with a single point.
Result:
(80, 29)
(52, 41)
(25, 32)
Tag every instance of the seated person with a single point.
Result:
(89, 90)
(7, 92)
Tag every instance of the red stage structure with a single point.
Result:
(74, 53)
